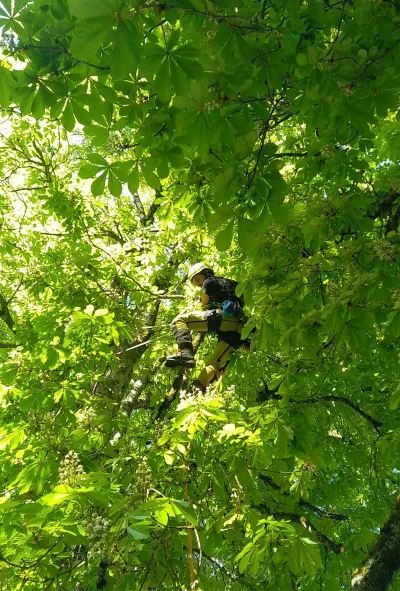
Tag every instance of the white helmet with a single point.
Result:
(199, 269)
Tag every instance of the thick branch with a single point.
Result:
(316, 510)
(5, 313)
(118, 381)
(152, 209)
(322, 538)
(376, 424)
(144, 217)
(102, 580)
(300, 519)
(139, 206)
(63, 50)
(132, 401)
(321, 513)
(291, 154)
(243, 23)
(383, 560)
(176, 386)
(233, 576)
(267, 394)
(383, 208)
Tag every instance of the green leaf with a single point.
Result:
(301, 59)
(183, 508)
(114, 185)
(59, 495)
(67, 118)
(162, 82)
(5, 87)
(191, 68)
(121, 170)
(88, 171)
(246, 233)
(175, 156)
(269, 149)
(90, 8)
(223, 239)
(99, 184)
(12, 439)
(97, 159)
(49, 98)
(133, 180)
(122, 59)
(151, 179)
(81, 114)
(173, 39)
(169, 457)
(218, 218)
(56, 109)
(280, 213)
(98, 133)
(262, 336)
(394, 400)
(38, 106)
(59, 9)
(138, 535)
(88, 39)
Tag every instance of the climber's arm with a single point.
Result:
(205, 300)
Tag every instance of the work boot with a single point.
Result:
(184, 358)
(201, 388)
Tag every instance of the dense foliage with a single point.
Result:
(136, 139)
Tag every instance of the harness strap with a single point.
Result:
(232, 338)
(223, 353)
(214, 319)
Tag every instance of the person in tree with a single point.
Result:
(223, 315)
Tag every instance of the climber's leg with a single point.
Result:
(215, 364)
(181, 327)
(228, 341)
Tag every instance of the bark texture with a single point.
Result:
(383, 560)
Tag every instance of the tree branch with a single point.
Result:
(232, 576)
(63, 50)
(266, 394)
(139, 206)
(321, 513)
(131, 401)
(153, 208)
(176, 386)
(383, 560)
(291, 154)
(300, 519)
(5, 313)
(231, 19)
(376, 424)
(316, 510)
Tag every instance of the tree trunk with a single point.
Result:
(383, 560)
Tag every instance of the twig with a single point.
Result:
(245, 23)
(338, 30)
(376, 424)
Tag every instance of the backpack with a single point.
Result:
(232, 308)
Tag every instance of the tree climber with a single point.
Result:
(223, 315)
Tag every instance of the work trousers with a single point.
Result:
(227, 328)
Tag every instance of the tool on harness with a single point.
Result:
(214, 319)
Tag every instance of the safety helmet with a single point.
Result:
(199, 269)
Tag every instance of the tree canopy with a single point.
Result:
(140, 137)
